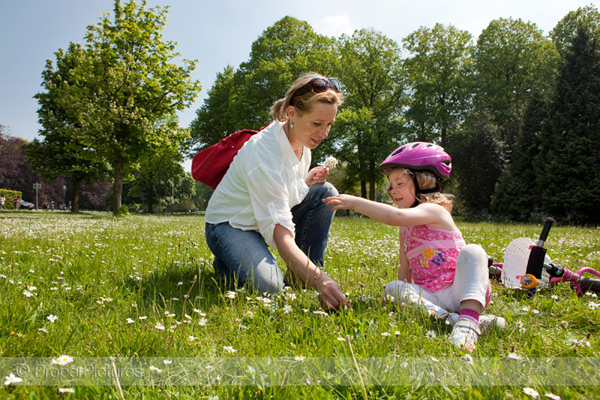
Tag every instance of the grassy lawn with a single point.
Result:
(142, 289)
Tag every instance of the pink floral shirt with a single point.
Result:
(432, 254)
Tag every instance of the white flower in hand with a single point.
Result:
(330, 162)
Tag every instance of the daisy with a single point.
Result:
(468, 358)
(231, 295)
(192, 338)
(300, 358)
(552, 396)
(129, 321)
(52, 318)
(66, 390)
(62, 360)
(290, 296)
(153, 368)
(341, 339)
(430, 334)
(159, 326)
(229, 349)
(287, 309)
(202, 321)
(167, 362)
(531, 392)
(143, 317)
(330, 162)
(514, 356)
(27, 293)
(385, 334)
(10, 379)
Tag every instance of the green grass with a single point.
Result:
(94, 273)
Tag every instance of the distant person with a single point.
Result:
(16, 201)
(438, 270)
(2, 200)
(270, 198)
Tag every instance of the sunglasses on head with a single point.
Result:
(319, 85)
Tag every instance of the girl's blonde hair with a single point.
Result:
(305, 102)
(426, 180)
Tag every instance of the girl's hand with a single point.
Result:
(317, 175)
(340, 202)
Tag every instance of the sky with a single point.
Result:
(218, 33)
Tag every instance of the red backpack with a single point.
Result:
(210, 164)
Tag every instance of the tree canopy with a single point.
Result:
(125, 87)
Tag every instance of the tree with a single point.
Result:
(126, 87)
(518, 193)
(438, 73)
(16, 172)
(242, 99)
(370, 124)
(566, 29)
(61, 153)
(158, 165)
(571, 178)
(214, 119)
(512, 58)
(477, 162)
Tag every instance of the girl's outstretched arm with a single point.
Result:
(423, 214)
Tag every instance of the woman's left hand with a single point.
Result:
(317, 175)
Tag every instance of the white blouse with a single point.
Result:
(263, 183)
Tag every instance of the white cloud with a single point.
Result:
(334, 25)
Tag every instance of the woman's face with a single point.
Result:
(311, 128)
(402, 188)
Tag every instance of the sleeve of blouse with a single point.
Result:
(270, 202)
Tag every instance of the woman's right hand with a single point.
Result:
(330, 294)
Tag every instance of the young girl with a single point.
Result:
(437, 270)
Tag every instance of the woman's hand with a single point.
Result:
(317, 175)
(330, 294)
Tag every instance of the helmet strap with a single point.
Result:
(418, 190)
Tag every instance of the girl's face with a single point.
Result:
(311, 128)
(402, 188)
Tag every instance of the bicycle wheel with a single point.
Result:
(587, 284)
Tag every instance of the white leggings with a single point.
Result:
(471, 282)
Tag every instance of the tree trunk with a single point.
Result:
(363, 188)
(75, 197)
(372, 187)
(150, 198)
(118, 182)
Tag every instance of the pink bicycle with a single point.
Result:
(526, 266)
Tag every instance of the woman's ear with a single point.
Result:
(291, 112)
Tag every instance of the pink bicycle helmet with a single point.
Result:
(420, 156)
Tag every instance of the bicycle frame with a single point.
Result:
(536, 264)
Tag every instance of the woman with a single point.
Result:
(270, 198)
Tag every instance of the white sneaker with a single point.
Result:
(489, 322)
(465, 334)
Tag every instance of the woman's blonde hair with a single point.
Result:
(305, 102)
(426, 180)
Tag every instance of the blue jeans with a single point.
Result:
(244, 256)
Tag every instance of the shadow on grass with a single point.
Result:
(167, 289)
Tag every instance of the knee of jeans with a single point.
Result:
(323, 190)
(394, 289)
(266, 277)
(472, 256)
